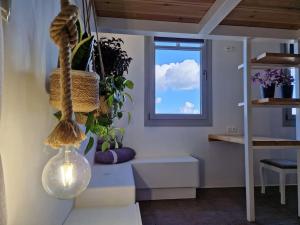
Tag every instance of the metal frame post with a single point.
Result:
(249, 173)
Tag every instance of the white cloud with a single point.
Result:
(178, 76)
(188, 108)
(158, 100)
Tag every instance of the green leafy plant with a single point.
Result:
(109, 134)
(82, 54)
(115, 59)
(113, 87)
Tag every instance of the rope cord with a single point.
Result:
(63, 32)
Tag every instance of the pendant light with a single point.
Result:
(67, 174)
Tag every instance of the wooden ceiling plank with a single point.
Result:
(274, 4)
(217, 12)
(260, 24)
(159, 9)
(144, 16)
(164, 10)
(278, 14)
(204, 3)
(267, 14)
(262, 14)
(185, 11)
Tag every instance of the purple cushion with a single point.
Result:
(113, 156)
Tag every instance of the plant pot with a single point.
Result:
(287, 91)
(267, 92)
(85, 90)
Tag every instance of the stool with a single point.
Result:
(281, 166)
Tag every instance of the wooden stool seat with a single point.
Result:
(281, 166)
(281, 163)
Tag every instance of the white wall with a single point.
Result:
(26, 115)
(222, 164)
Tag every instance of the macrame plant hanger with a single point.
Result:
(102, 71)
(63, 32)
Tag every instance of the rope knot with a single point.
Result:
(65, 21)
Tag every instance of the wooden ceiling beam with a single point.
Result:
(214, 16)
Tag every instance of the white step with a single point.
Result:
(111, 185)
(168, 172)
(166, 177)
(126, 215)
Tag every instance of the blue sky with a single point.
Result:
(177, 82)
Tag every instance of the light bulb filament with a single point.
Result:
(67, 174)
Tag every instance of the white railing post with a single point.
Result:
(249, 174)
(297, 89)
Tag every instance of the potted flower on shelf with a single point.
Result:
(268, 80)
(285, 80)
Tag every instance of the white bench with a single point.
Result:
(121, 215)
(111, 185)
(166, 178)
(109, 199)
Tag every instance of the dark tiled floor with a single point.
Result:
(222, 207)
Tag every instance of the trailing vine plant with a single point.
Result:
(113, 92)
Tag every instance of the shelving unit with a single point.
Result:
(265, 60)
(275, 102)
(257, 142)
(271, 60)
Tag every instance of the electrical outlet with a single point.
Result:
(232, 130)
(229, 48)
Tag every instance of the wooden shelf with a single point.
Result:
(271, 60)
(275, 102)
(257, 141)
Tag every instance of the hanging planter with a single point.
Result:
(85, 90)
(102, 110)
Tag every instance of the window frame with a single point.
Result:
(168, 120)
(288, 119)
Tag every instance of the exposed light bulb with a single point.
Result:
(67, 174)
(67, 170)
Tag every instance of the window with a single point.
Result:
(177, 82)
(289, 115)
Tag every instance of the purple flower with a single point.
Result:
(285, 78)
(267, 78)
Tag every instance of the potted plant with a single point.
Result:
(268, 80)
(82, 77)
(285, 80)
(113, 87)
